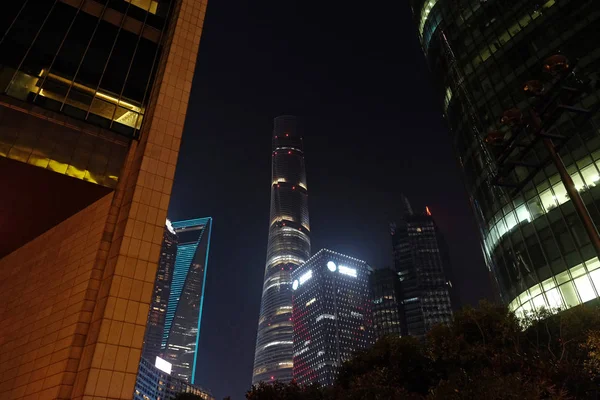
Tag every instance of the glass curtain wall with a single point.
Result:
(481, 53)
(93, 60)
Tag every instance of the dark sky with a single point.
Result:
(355, 75)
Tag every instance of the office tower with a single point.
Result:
(173, 328)
(186, 297)
(499, 68)
(288, 248)
(422, 264)
(160, 297)
(155, 382)
(93, 99)
(332, 315)
(388, 311)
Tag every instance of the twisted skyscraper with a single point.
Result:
(289, 247)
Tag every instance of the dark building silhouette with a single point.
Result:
(332, 315)
(288, 248)
(423, 268)
(388, 311)
(495, 64)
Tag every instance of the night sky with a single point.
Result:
(355, 75)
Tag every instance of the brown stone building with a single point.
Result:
(93, 99)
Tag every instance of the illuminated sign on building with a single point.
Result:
(163, 365)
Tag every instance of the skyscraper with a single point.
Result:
(388, 310)
(288, 248)
(332, 315)
(93, 99)
(186, 297)
(498, 67)
(423, 267)
(173, 328)
(153, 338)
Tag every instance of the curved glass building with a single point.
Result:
(288, 247)
(481, 54)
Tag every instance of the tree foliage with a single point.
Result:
(485, 353)
(187, 396)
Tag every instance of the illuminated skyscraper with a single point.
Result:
(332, 315)
(288, 248)
(186, 297)
(423, 267)
(518, 83)
(155, 327)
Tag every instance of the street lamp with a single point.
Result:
(552, 99)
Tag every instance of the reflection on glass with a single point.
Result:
(148, 5)
(567, 289)
(547, 201)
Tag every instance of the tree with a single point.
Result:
(281, 391)
(187, 396)
(485, 353)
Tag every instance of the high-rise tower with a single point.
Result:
(288, 248)
(531, 165)
(155, 327)
(423, 267)
(186, 296)
(332, 315)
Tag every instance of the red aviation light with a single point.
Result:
(289, 152)
(287, 134)
(293, 187)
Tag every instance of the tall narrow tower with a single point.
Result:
(288, 248)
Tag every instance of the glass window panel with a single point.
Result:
(584, 287)
(501, 226)
(563, 277)
(526, 308)
(535, 290)
(522, 214)
(577, 270)
(548, 284)
(595, 275)
(579, 185)
(539, 302)
(560, 193)
(554, 299)
(524, 297)
(590, 175)
(569, 294)
(548, 200)
(592, 264)
(535, 207)
(511, 220)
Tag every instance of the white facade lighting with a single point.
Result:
(305, 277)
(295, 284)
(331, 266)
(170, 227)
(347, 271)
(163, 365)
